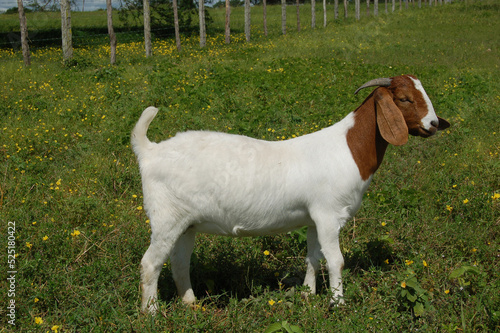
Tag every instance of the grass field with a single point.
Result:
(422, 254)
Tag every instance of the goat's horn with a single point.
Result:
(381, 82)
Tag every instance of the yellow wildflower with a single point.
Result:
(38, 320)
(271, 302)
(266, 253)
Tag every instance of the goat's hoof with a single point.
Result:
(334, 303)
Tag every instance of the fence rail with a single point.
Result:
(39, 28)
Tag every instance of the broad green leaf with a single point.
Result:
(419, 309)
(462, 270)
(276, 327)
(411, 298)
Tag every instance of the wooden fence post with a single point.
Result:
(298, 15)
(357, 6)
(176, 25)
(313, 14)
(24, 33)
(111, 32)
(228, 22)
(203, 31)
(67, 43)
(147, 28)
(264, 8)
(283, 17)
(247, 20)
(324, 13)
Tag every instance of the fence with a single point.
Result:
(23, 35)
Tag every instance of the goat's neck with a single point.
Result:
(364, 140)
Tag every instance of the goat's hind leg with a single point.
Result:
(312, 259)
(179, 260)
(152, 262)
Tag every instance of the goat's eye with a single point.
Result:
(404, 100)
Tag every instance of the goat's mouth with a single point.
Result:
(425, 133)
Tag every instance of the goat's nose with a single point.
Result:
(435, 123)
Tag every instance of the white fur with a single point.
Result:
(431, 116)
(238, 186)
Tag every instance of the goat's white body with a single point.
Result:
(238, 186)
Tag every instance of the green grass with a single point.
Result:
(431, 213)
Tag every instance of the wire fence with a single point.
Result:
(44, 27)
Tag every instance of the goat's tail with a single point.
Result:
(139, 140)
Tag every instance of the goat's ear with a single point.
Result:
(390, 120)
(443, 124)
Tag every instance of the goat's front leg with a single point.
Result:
(179, 260)
(313, 257)
(328, 236)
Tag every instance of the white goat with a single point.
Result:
(234, 185)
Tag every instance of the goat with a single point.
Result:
(238, 186)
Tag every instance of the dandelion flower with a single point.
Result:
(383, 224)
(139, 208)
(447, 291)
(425, 263)
(45, 238)
(495, 196)
(466, 201)
(266, 253)
(38, 320)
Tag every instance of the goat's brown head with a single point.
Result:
(403, 108)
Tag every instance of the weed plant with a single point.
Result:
(422, 253)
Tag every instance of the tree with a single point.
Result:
(162, 14)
